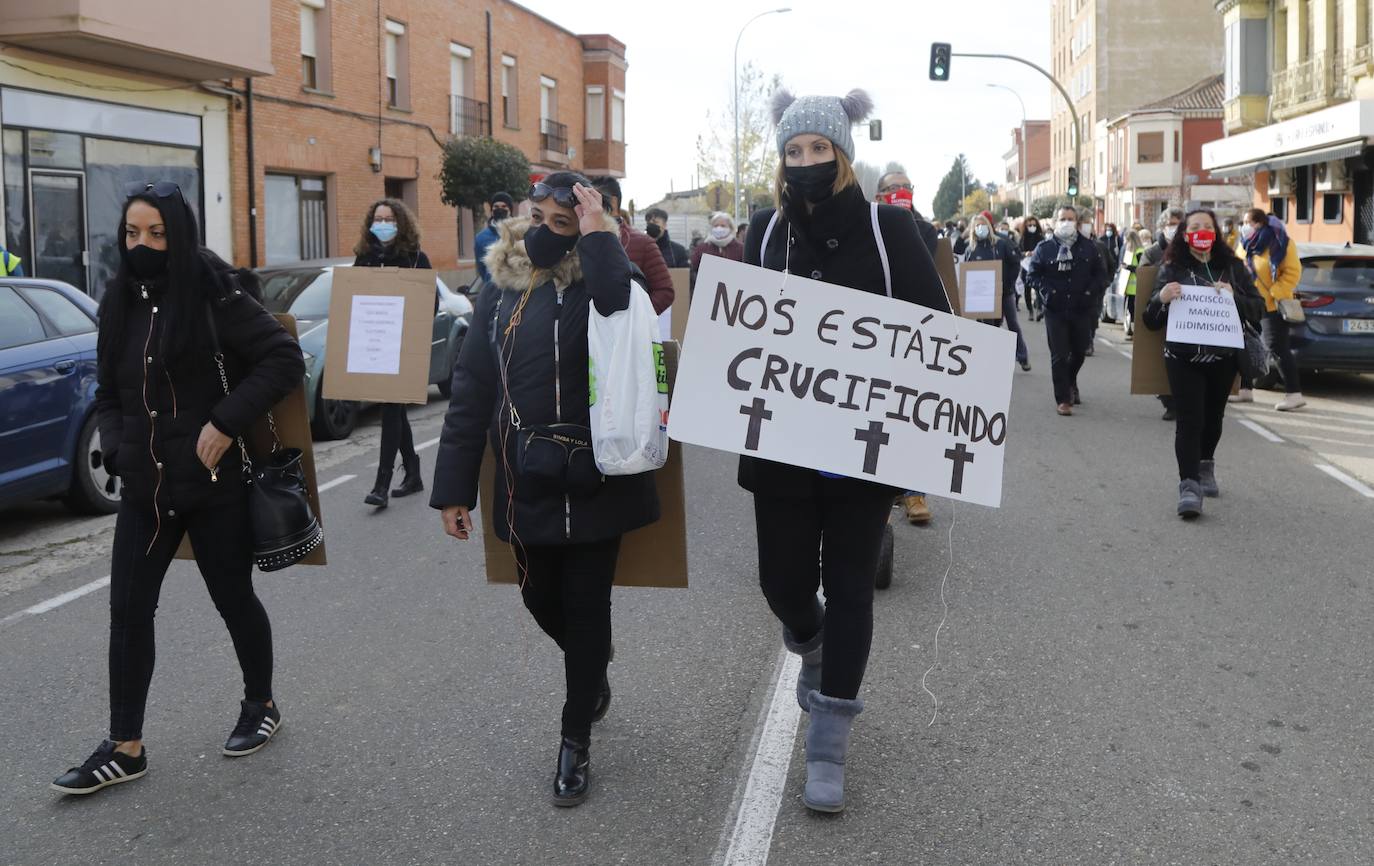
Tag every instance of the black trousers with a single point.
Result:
(1275, 333)
(1069, 335)
(223, 543)
(821, 540)
(396, 436)
(567, 589)
(1200, 392)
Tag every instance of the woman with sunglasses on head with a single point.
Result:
(816, 529)
(522, 377)
(391, 239)
(1200, 376)
(166, 426)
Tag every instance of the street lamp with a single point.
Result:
(736, 80)
(1025, 156)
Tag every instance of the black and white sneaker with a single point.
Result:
(258, 723)
(103, 768)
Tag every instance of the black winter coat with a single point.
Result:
(1249, 302)
(835, 244)
(1076, 290)
(151, 412)
(380, 255)
(544, 382)
(998, 249)
(675, 255)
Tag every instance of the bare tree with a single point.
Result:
(868, 175)
(716, 146)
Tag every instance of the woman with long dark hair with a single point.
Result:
(1200, 376)
(814, 528)
(391, 239)
(520, 387)
(166, 425)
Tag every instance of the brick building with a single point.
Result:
(361, 103)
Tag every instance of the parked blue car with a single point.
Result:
(1337, 294)
(49, 442)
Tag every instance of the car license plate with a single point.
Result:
(1358, 326)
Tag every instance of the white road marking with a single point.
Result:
(58, 600)
(752, 836)
(330, 485)
(1354, 484)
(428, 443)
(1262, 431)
(1125, 353)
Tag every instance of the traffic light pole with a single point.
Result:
(1077, 124)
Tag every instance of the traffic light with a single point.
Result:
(1073, 182)
(875, 130)
(939, 61)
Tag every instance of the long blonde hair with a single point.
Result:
(844, 177)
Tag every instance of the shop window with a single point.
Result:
(1332, 203)
(16, 225)
(1302, 194)
(1149, 147)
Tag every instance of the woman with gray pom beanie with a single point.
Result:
(817, 529)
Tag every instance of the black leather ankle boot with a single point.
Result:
(573, 779)
(411, 481)
(378, 496)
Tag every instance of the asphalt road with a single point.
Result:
(1114, 686)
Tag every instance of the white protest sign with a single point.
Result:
(1206, 317)
(374, 335)
(843, 381)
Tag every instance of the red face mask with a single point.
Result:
(901, 198)
(1201, 240)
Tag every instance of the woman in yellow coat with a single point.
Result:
(1273, 262)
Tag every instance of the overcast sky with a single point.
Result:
(679, 55)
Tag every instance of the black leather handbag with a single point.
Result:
(285, 527)
(1254, 358)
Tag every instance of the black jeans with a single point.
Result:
(223, 543)
(1014, 324)
(1200, 391)
(1275, 333)
(1069, 334)
(567, 589)
(396, 435)
(793, 564)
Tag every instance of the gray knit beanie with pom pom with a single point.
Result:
(830, 116)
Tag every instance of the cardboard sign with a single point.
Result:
(381, 324)
(845, 382)
(293, 427)
(949, 272)
(1204, 316)
(980, 290)
(654, 556)
(1148, 375)
(672, 322)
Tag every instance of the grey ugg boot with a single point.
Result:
(827, 743)
(1189, 498)
(809, 678)
(1207, 477)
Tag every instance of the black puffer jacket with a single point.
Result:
(1249, 302)
(545, 382)
(835, 244)
(151, 411)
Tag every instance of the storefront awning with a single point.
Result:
(1290, 160)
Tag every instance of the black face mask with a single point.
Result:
(653, 230)
(498, 214)
(546, 248)
(146, 262)
(815, 183)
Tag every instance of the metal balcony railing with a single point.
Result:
(470, 118)
(1307, 82)
(553, 136)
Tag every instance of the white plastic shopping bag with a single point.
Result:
(629, 388)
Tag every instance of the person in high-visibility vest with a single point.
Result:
(10, 264)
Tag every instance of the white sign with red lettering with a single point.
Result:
(844, 382)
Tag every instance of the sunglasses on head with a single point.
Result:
(562, 195)
(157, 189)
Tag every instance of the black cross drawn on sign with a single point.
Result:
(958, 455)
(876, 439)
(757, 413)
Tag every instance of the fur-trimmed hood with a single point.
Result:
(509, 264)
